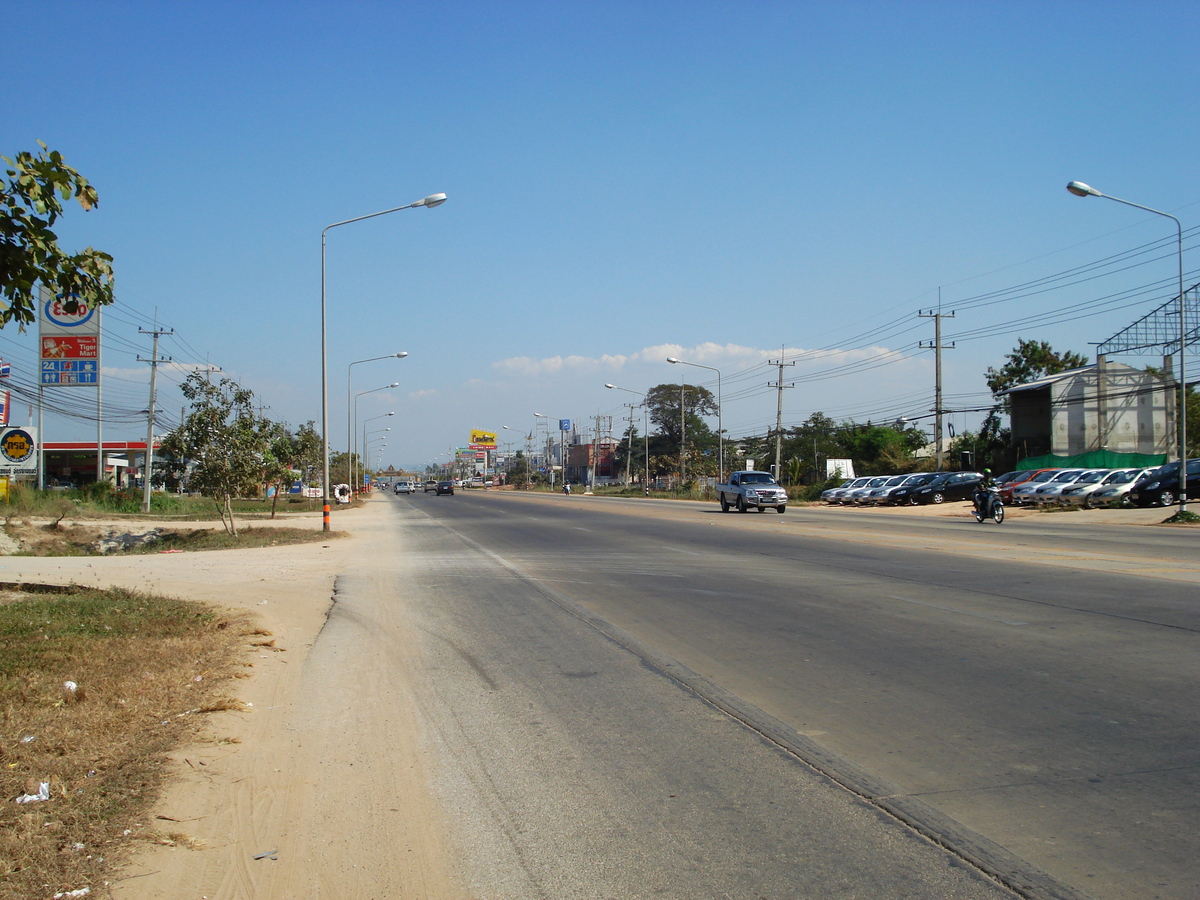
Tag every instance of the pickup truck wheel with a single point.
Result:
(780, 508)
(741, 504)
(724, 504)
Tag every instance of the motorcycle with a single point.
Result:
(988, 506)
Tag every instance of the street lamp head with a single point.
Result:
(401, 354)
(1079, 189)
(431, 201)
(609, 386)
(394, 384)
(672, 360)
(539, 416)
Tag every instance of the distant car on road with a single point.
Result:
(430, 486)
(444, 487)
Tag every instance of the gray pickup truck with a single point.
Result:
(752, 490)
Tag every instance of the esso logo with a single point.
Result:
(56, 313)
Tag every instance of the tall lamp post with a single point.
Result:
(349, 368)
(645, 432)
(720, 430)
(367, 422)
(354, 447)
(1079, 189)
(431, 201)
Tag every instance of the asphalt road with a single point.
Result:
(637, 699)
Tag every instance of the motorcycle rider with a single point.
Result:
(984, 488)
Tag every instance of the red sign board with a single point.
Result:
(70, 347)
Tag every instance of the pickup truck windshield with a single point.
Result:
(757, 478)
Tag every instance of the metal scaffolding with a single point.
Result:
(1157, 332)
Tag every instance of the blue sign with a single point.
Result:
(70, 371)
(564, 424)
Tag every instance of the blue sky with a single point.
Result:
(627, 181)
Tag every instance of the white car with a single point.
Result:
(858, 496)
(1115, 488)
(836, 495)
(877, 494)
(1075, 493)
(1048, 492)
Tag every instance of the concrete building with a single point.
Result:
(1106, 406)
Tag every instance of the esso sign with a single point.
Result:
(56, 313)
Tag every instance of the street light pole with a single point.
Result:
(645, 432)
(1079, 189)
(431, 201)
(720, 429)
(367, 422)
(351, 451)
(349, 368)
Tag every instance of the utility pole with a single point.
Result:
(937, 347)
(149, 455)
(629, 453)
(779, 385)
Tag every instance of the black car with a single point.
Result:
(947, 486)
(445, 487)
(1162, 487)
(903, 494)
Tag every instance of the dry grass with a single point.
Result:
(79, 539)
(146, 670)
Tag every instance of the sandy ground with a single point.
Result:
(277, 781)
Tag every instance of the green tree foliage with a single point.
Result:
(31, 201)
(1028, 362)
(222, 445)
(805, 447)
(663, 403)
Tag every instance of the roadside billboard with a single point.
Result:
(483, 440)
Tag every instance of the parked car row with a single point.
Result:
(1090, 488)
(916, 489)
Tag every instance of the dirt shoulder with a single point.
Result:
(246, 791)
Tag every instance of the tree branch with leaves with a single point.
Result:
(32, 199)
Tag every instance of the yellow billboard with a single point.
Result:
(483, 440)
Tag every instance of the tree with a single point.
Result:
(1029, 361)
(31, 201)
(221, 444)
